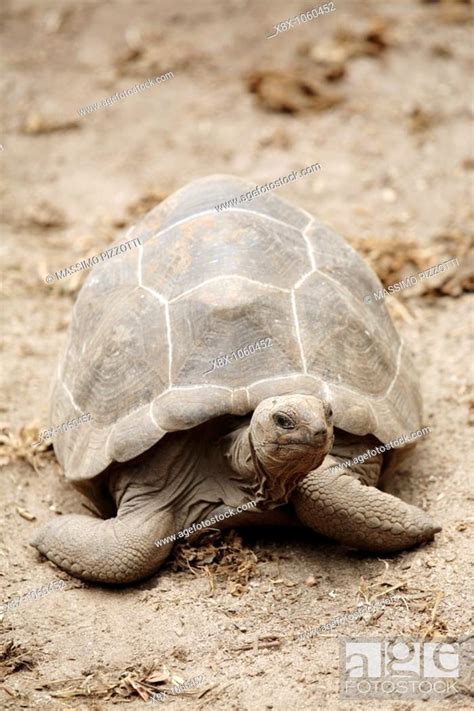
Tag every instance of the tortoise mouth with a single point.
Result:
(280, 466)
(313, 445)
(287, 444)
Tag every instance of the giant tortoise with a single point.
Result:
(184, 428)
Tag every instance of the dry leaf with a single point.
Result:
(36, 124)
(25, 514)
(281, 91)
(19, 445)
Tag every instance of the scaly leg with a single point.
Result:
(339, 506)
(118, 550)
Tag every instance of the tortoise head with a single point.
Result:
(290, 435)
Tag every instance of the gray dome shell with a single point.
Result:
(148, 323)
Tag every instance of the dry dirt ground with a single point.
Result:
(378, 94)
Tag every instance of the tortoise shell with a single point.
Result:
(205, 284)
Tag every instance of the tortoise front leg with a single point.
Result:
(341, 507)
(117, 550)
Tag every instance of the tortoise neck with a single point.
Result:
(239, 452)
(269, 491)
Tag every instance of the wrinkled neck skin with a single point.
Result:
(241, 456)
(270, 488)
(190, 473)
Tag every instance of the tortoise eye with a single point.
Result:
(283, 421)
(329, 411)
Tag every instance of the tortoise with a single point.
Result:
(172, 442)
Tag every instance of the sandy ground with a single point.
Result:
(385, 109)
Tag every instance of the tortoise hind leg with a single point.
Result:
(117, 550)
(341, 507)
